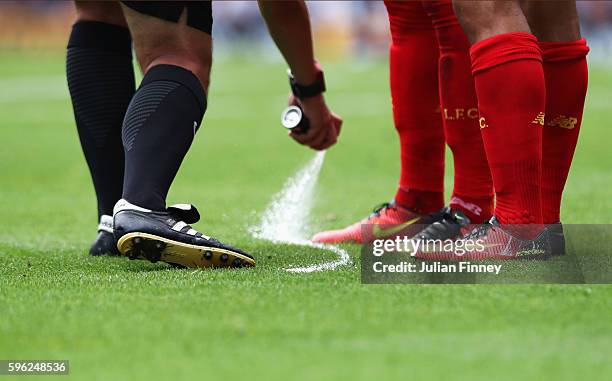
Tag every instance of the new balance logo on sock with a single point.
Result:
(539, 119)
(563, 122)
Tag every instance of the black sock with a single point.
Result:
(158, 130)
(101, 83)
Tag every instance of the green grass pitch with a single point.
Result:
(116, 319)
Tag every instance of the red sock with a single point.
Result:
(511, 93)
(413, 65)
(565, 70)
(473, 188)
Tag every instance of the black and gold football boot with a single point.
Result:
(167, 236)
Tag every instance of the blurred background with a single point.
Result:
(342, 28)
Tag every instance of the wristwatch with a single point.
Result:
(307, 91)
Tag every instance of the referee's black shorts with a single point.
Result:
(199, 13)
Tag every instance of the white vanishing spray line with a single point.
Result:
(286, 219)
(343, 259)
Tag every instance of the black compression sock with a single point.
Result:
(158, 130)
(101, 83)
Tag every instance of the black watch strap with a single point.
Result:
(308, 91)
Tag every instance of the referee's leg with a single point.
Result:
(169, 105)
(100, 78)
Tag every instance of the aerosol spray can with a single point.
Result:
(294, 120)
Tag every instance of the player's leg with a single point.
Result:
(509, 79)
(413, 64)
(413, 67)
(473, 186)
(556, 25)
(174, 48)
(101, 83)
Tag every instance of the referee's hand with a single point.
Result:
(324, 125)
